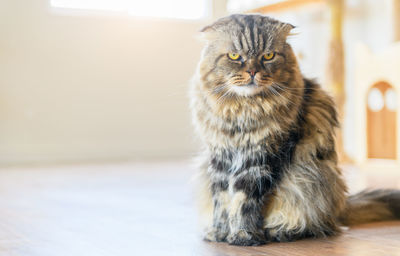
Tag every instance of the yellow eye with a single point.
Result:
(233, 56)
(269, 56)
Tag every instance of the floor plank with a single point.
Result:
(137, 209)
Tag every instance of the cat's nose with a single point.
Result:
(252, 72)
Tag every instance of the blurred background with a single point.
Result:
(95, 128)
(107, 80)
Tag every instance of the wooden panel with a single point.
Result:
(396, 20)
(381, 129)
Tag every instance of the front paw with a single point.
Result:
(244, 238)
(215, 235)
(274, 235)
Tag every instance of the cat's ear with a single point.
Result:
(216, 26)
(208, 33)
(286, 29)
(206, 29)
(211, 32)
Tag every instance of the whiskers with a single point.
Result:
(279, 93)
(289, 94)
(295, 92)
(239, 80)
(228, 94)
(218, 89)
(274, 91)
(224, 92)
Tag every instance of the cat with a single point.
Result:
(271, 170)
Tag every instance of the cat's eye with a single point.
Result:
(233, 56)
(269, 56)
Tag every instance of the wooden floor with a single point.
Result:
(135, 210)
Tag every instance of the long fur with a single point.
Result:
(270, 171)
(371, 205)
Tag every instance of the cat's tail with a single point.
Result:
(372, 205)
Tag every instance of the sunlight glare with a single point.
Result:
(180, 9)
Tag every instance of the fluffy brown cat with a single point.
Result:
(271, 170)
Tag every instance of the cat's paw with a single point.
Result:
(244, 238)
(215, 235)
(274, 235)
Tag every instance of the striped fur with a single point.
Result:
(271, 167)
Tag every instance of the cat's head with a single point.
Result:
(246, 55)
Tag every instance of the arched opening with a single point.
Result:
(381, 121)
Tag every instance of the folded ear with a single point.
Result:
(217, 26)
(209, 32)
(207, 28)
(286, 28)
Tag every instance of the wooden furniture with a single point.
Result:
(381, 126)
(396, 20)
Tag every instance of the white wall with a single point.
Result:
(93, 87)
